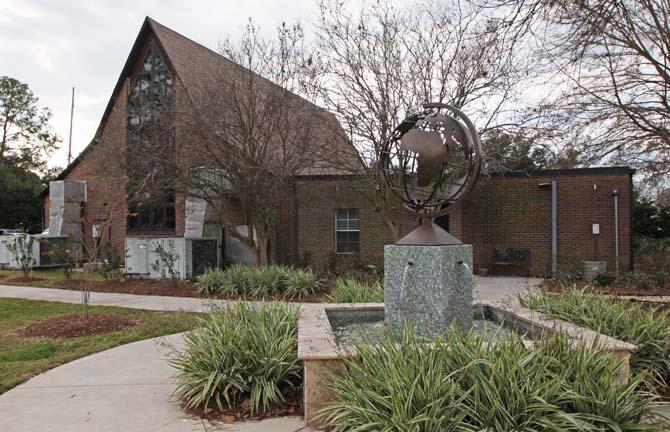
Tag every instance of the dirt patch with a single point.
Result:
(74, 325)
(292, 406)
(21, 279)
(617, 289)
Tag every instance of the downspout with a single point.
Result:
(631, 206)
(615, 197)
(554, 229)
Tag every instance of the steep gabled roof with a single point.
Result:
(193, 64)
(145, 30)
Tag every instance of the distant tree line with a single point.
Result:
(26, 142)
(651, 219)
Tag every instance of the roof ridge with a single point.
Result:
(157, 27)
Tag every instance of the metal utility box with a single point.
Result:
(168, 257)
(175, 260)
(137, 256)
(205, 254)
(42, 251)
(4, 251)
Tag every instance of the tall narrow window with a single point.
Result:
(151, 146)
(347, 231)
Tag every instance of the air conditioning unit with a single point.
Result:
(4, 251)
(168, 257)
(42, 251)
(137, 256)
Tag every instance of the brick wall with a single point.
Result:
(316, 200)
(504, 212)
(100, 166)
(501, 212)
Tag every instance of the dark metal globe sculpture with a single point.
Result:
(432, 160)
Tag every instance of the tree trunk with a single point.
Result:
(393, 226)
(263, 242)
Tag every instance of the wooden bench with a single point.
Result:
(511, 257)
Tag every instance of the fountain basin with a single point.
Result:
(326, 333)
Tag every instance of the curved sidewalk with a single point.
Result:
(127, 388)
(486, 288)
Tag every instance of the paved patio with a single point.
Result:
(129, 388)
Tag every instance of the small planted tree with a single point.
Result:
(66, 255)
(22, 250)
(111, 261)
(167, 261)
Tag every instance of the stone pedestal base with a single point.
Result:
(429, 287)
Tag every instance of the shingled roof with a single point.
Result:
(193, 64)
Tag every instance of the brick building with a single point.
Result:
(323, 218)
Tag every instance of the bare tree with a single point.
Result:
(611, 58)
(248, 134)
(379, 62)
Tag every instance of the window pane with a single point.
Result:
(347, 242)
(347, 227)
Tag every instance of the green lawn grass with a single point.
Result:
(44, 277)
(22, 358)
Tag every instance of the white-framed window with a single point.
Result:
(347, 231)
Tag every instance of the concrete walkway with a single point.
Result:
(486, 288)
(129, 388)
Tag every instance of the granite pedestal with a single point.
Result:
(429, 287)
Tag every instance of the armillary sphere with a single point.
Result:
(432, 160)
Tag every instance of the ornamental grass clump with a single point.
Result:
(238, 280)
(647, 328)
(244, 351)
(300, 283)
(259, 282)
(267, 280)
(462, 383)
(213, 280)
(348, 290)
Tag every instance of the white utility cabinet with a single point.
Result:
(143, 257)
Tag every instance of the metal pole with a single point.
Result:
(554, 229)
(615, 194)
(69, 146)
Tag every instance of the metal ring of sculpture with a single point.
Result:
(432, 160)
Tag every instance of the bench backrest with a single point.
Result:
(511, 254)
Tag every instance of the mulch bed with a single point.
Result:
(167, 288)
(293, 406)
(620, 289)
(139, 287)
(74, 325)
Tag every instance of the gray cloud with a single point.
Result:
(53, 45)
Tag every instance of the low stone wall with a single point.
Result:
(320, 354)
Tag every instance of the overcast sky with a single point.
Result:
(53, 45)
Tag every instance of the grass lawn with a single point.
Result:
(22, 358)
(48, 278)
